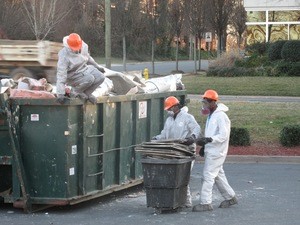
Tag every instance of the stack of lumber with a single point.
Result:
(169, 149)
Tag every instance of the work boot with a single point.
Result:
(92, 99)
(228, 203)
(188, 203)
(82, 96)
(202, 208)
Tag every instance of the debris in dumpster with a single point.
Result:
(19, 93)
(116, 83)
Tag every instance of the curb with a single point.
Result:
(258, 159)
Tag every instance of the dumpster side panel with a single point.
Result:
(92, 148)
(47, 136)
(126, 137)
(4, 137)
(5, 156)
(157, 116)
(142, 130)
(111, 120)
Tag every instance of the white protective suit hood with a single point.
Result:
(221, 107)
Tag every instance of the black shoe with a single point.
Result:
(228, 203)
(92, 99)
(202, 208)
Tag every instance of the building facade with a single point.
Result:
(272, 20)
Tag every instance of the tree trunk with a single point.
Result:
(152, 56)
(124, 53)
(190, 48)
(107, 34)
(195, 55)
(199, 55)
(177, 54)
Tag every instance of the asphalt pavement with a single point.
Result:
(268, 194)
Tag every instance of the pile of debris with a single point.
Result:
(115, 83)
(167, 149)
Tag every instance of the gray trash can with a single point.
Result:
(165, 182)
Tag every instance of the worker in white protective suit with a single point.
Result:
(180, 125)
(75, 67)
(215, 142)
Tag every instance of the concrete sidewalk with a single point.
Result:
(268, 194)
(234, 98)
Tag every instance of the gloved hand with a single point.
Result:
(101, 69)
(203, 141)
(188, 141)
(61, 99)
(201, 151)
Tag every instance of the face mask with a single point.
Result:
(76, 52)
(170, 113)
(205, 111)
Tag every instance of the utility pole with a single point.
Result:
(107, 34)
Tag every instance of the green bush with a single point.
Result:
(286, 68)
(291, 51)
(239, 137)
(254, 60)
(257, 48)
(290, 136)
(274, 51)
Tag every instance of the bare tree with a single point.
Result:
(176, 21)
(196, 19)
(218, 13)
(238, 20)
(121, 25)
(43, 16)
(11, 20)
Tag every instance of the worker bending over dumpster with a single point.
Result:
(76, 68)
(180, 125)
(215, 142)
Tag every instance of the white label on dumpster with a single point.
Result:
(34, 117)
(142, 109)
(74, 149)
(72, 171)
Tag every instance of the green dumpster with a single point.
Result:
(54, 154)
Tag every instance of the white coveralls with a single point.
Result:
(78, 70)
(218, 128)
(183, 126)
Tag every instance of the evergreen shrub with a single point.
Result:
(291, 51)
(239, 137)
(274, 51)
(290, 135)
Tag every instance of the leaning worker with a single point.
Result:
(180, 125)
(76, 68)
(215, 142)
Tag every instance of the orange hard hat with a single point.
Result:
(74, 41)
(170, 101)
(211, 94)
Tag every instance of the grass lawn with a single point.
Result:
(263, 120)
(265, 86)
